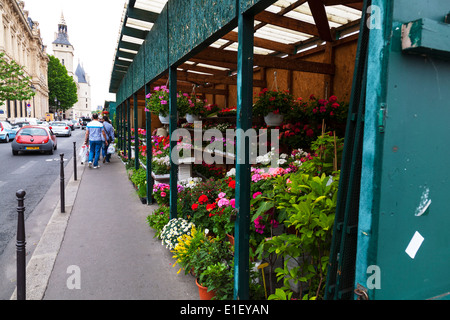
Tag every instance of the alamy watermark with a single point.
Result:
(221, 149)
(74, 280)
(374, 18)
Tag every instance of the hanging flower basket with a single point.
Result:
(273, 105)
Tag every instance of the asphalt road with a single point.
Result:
(36, 174)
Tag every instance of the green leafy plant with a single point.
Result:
(139, 179)
(310, 203)
(218, 277)
(158, 219)
(14, 84)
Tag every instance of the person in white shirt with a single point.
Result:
(94, 133)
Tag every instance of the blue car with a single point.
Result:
(7, 132)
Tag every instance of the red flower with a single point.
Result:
(332, 99)
(211, 206)
(203, 199)
(195, 206)
(232, 184)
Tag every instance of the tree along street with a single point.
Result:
(35, 173)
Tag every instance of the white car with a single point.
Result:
(76, 124)
(42, 124)
(61, 128)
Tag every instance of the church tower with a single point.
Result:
(64, 51)
(62, 48)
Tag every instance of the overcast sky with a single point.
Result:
(93, 28)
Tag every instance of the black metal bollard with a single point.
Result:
(20, 247)
(75, 160)
(61, 174)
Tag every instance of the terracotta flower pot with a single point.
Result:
(203, 292)
(230, 239)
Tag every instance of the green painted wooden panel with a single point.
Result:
(139, 70)
(254, 6)
(156, 46)
(405, 176)
(191, 29)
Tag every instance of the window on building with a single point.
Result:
(63, 62)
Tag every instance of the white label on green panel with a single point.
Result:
(414, 245)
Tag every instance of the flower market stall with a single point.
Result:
(293, 216)
(227, 199)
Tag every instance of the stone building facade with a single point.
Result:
(21, 41)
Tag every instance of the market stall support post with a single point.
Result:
(173, 144)
(136, 136)
(244, 122)
(148, 128)
(128, 128)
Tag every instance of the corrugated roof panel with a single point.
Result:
(151, 5)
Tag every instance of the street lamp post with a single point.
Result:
(34, 105)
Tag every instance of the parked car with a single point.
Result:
(84, 121)
(43, 124)
(76, 124)
(21, 124)
(7, 131)
(34, 139)
(61, 128)
(70, 124)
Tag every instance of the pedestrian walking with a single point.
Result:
(94, 133)
(109, 130)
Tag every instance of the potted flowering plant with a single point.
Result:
(195, 109)
(273, 105)
(158, 103)
(158, 219)
(173, 230)
(161, 193)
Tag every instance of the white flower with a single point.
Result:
(232, 172)
(281, 161)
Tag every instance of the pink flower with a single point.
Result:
(148, 95)
(163, 102)
(259, 226)
(274, 223)
(256, 194)
(222, 195)
(223, 202)
(256, 177)
(156, 88)
(232, 203)
(163, 194)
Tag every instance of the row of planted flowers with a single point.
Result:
(292, 213)
(292, 205)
